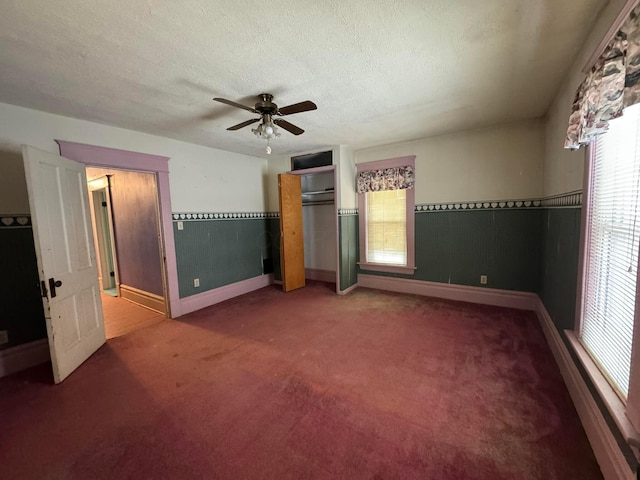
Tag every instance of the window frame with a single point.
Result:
(410, 267)
(625, 415)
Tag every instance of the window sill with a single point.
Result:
(610, 398)
(382, 267)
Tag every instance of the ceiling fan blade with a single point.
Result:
(297, 108)
(244, 124)
(290, 127)
(234, 104)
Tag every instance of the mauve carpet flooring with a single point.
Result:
(307, 384)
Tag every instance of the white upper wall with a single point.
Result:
(202, 179)
(275, 165)
(564, 169)
(496, 163)
(347, 178)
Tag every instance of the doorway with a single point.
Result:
(103, 234)
(319, 214)
(126, 229)
(111, 158)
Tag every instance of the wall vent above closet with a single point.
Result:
(312, 160)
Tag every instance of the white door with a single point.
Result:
(66, 258)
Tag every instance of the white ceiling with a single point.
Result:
(380, 72)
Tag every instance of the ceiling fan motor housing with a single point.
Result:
(266, 106)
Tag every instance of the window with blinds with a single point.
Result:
(612, 250)
(387, 227)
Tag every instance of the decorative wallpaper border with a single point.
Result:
(224, 215)
(570, 199)
(483, 205)
(347, 211)
(15, 221)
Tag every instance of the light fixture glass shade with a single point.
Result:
(266, 130)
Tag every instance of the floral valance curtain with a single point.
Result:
(612, 85)
(398, 178)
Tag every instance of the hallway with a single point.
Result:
(122, 316)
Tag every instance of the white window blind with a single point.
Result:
(612, 249)
(387, 227)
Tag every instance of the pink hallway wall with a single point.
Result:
(113, 158)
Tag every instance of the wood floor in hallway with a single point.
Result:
(122, 316)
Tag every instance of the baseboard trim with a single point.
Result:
(217, 295)
(348, 290)
(320, 275)
(612, 462)
(146, 299)
(29, 355)
(463, 293)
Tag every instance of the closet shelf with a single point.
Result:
(317, 202)
(318, 192)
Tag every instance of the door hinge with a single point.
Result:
(104, 204)
(43, 289)
(112, 274)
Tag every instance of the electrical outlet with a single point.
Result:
(483, 279)
(4, 337)
(180, 225)
(196, 282)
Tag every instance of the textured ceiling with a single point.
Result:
(380, 72)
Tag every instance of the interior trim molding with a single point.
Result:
(226, 292)
(112, 157)
(145, 299)
(24, 356)
(612, 462)
(463, 293)
(320, 275)
(93, 155)
(613, 29)
(348, 289)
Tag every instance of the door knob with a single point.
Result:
(52, 286)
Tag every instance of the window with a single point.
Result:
(387, 227)
(611, 250)
(386, 219)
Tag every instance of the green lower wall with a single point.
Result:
(560, 250)
(22, 314)
(348, 233)
(458, 246)
(220, 251)
(274, 240)
(559, 264)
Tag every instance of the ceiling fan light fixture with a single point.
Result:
(266, 130)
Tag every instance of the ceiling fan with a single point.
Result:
(267, 110)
